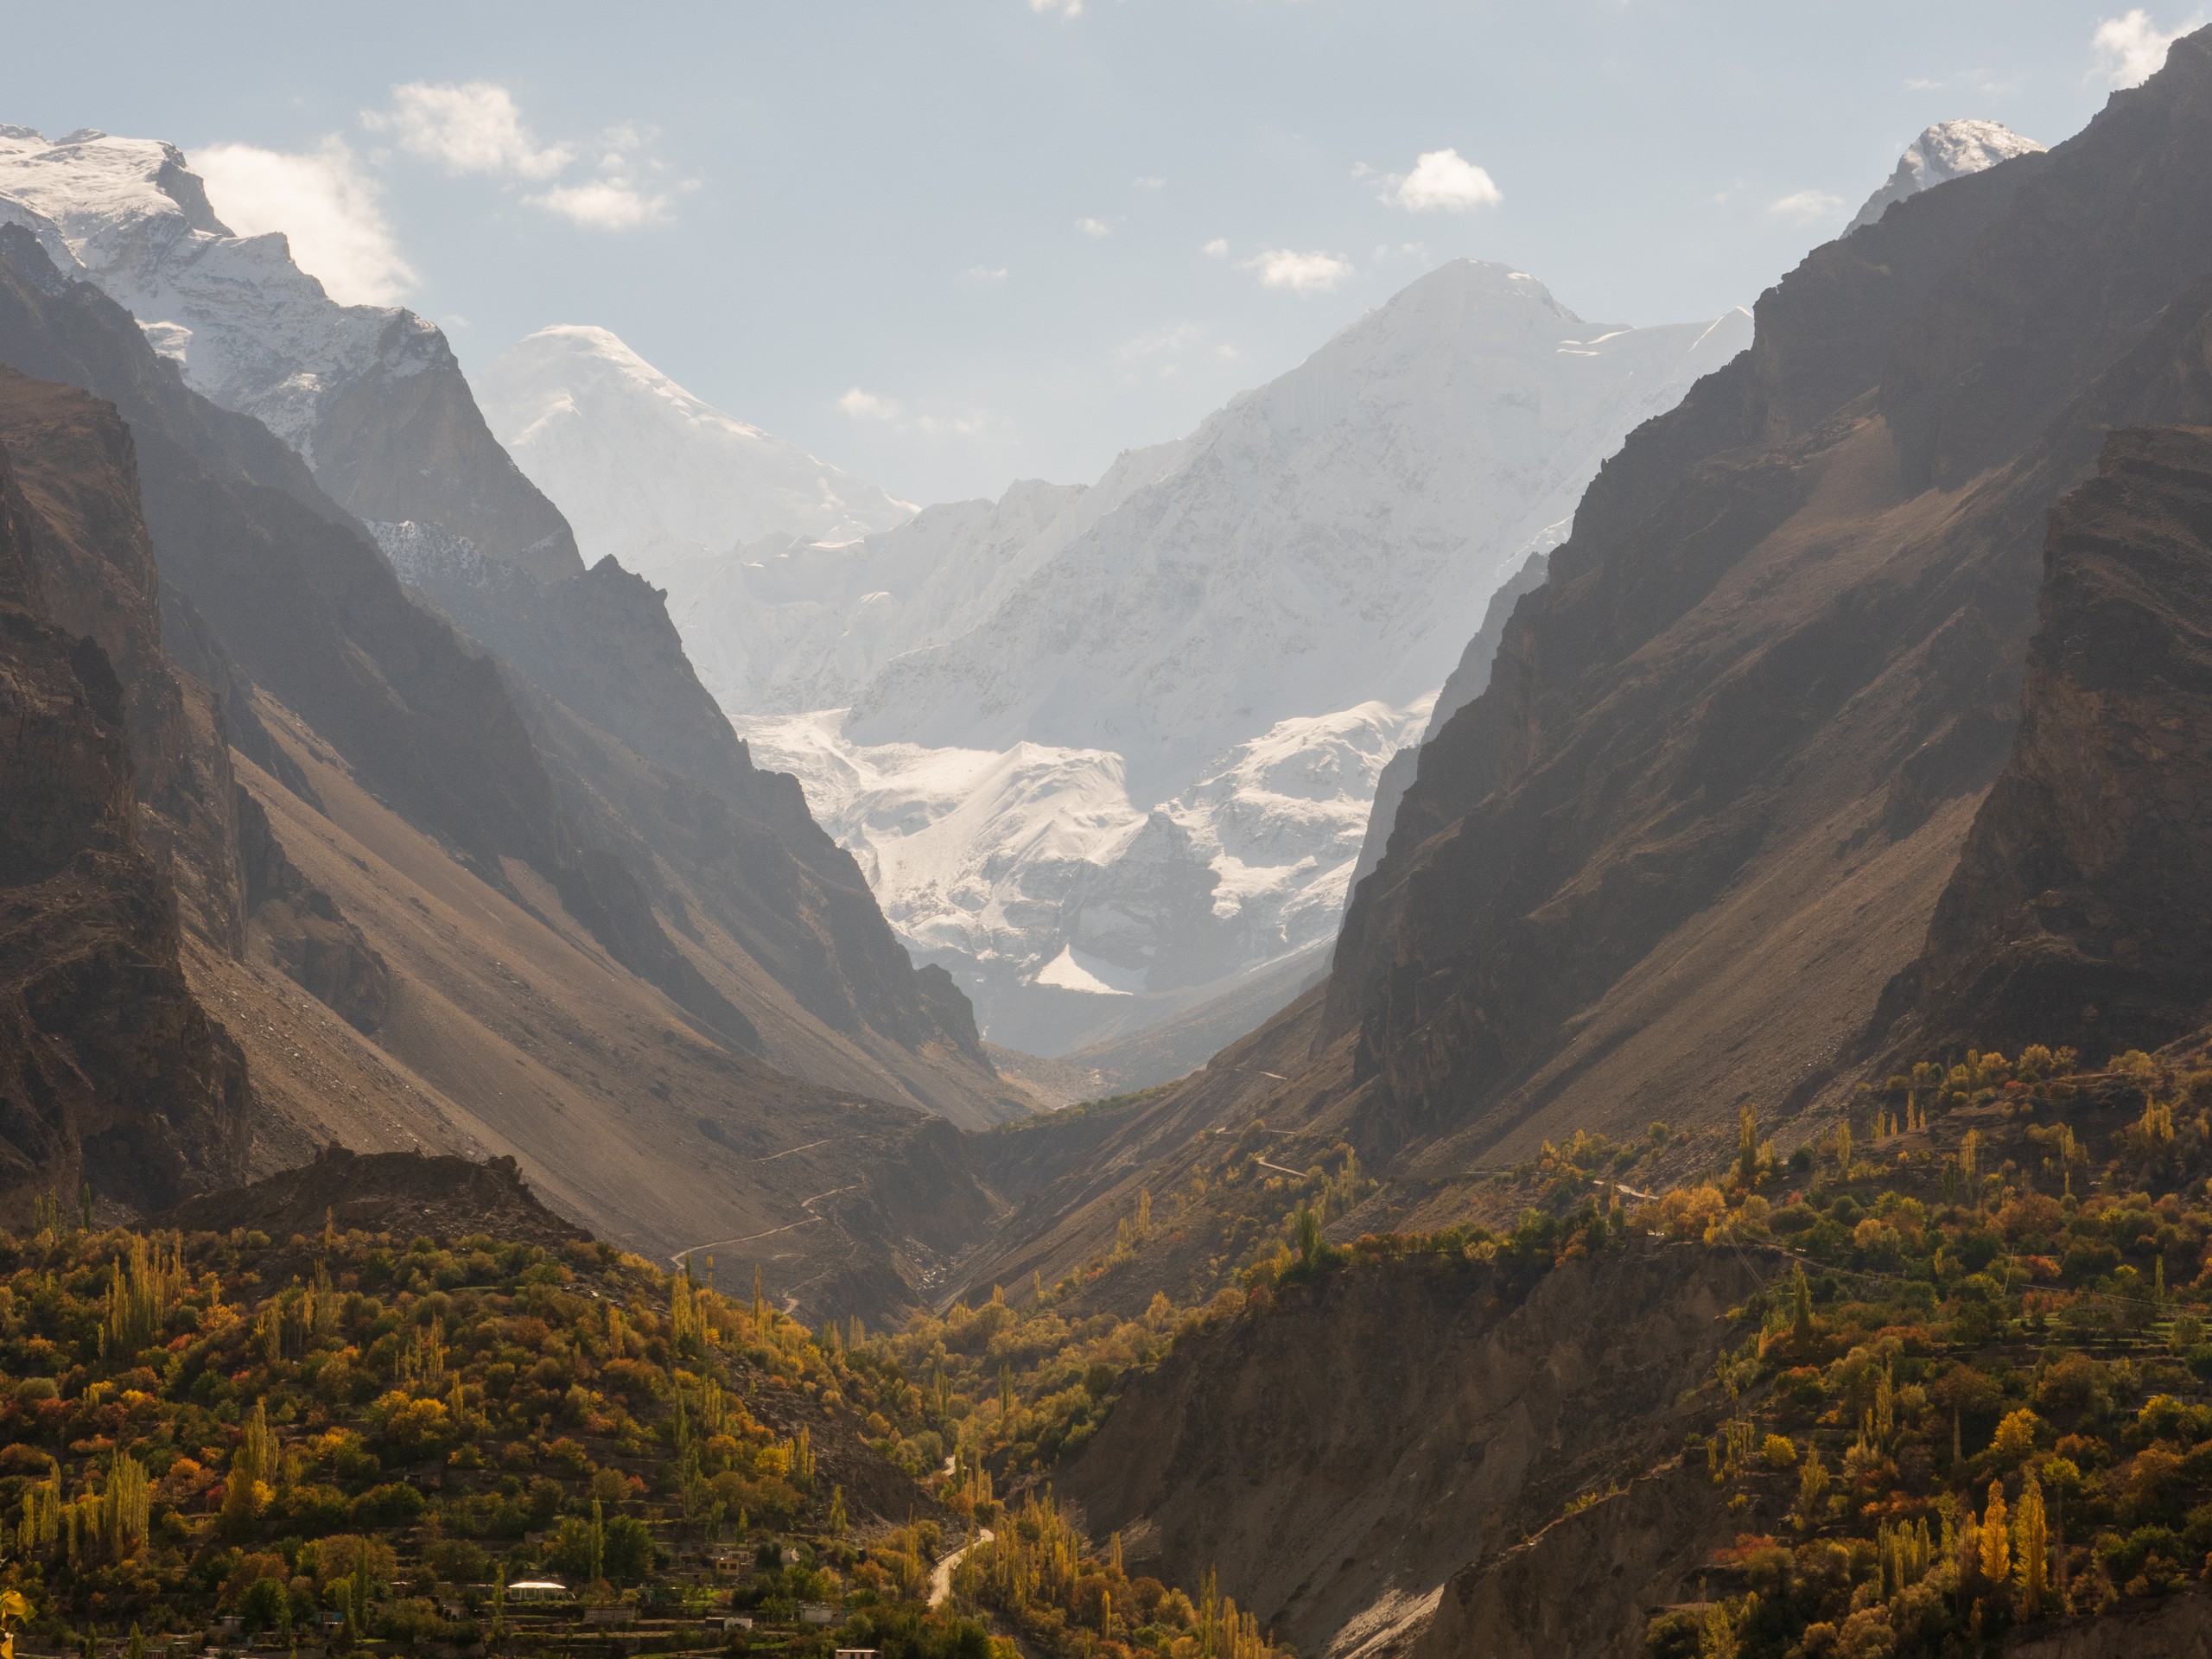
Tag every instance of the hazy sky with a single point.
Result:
(948, 244)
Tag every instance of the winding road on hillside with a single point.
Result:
(941, 1579)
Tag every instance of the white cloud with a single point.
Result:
(1216, 248)
(1443, 179)
(1069, 9)
(989, 275)
(475, 127)
(1161, 342)
(2131, 48)
(324, 206)
(1094, 226)
(1806, 207)
(1225, 353)
(1147, 184)
(955, 426)
(1301, 273)
(866, 406)
(603, 204)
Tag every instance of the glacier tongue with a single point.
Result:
(1031, 868)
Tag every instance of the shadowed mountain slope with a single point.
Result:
(111, 1075)
(425, 926)
(292, 593)
(1729, 754)
(2079, 912)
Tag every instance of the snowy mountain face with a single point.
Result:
(1328, 540)
(1949, 149)
(648, 473)
(1057, 901)
(1121, 741)
(255, 334)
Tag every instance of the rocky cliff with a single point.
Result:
(1345, 1456)
(299, 600)
(2078, 910)
(1730, 753)
(370, 396)
(111, 1075)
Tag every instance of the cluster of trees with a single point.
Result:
(1962, 1408)
(1074, 1604)
(357, 1426)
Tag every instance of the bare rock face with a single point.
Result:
(1349, 1455)
(310, 937)
(110, 1073)
(2080, 910)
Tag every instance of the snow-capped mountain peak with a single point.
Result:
(255, 334)
(652, 474)
(1948, 150)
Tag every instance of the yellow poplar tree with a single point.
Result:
(1996, 1537)
(2030, 1549)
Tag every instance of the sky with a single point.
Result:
(946, 245)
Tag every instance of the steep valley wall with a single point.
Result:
(1343, 1456)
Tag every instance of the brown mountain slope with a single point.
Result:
(2081, 906)
(1728, 755)
(399, 983)
(289, 594)
(510, 1032)
(501, 1025)
(1341, 1458)
(110, 1073)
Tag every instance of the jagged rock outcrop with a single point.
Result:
(313, 940)
(2081, 912)
(111, 1075)
(377, 424)
(1344, 1455)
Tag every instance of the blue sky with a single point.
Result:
(944, 245)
